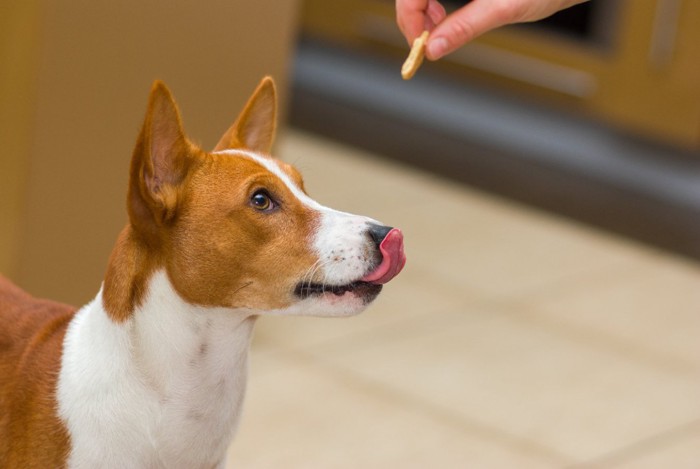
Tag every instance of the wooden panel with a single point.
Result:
(96, 63)
(662, 99)
(18, 46)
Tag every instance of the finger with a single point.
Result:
(433, 15)
(480, 16)
(410, 17)
(436, 12)
(465, 24)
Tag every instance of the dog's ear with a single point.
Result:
(255, 127)
(159, 163)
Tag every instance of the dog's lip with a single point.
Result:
(306, 290)
(393, 259)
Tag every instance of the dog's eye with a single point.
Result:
(262, 201)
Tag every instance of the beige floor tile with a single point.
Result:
(538, 335)
(526, 381)
(302, 416)
(682, 452)
(508, 254)
(651, 311)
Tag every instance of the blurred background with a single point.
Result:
(546, 177)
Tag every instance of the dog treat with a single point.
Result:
(415, 57)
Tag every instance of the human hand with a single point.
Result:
(450, 32)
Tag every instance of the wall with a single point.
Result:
(83, 70)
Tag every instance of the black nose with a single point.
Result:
(378, 232)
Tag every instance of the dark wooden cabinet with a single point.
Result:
(632, 63)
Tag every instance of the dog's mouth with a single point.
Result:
(365, 290)
(368, 287)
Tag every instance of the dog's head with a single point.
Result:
(235, 228)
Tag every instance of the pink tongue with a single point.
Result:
(393, 259)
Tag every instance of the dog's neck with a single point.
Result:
(183, 367)
(182, 347)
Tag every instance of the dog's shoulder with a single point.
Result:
(22, 316)
(31, 342)
(28, 327)
(9, 291)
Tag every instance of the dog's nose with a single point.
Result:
(378, 232)
(389, 243)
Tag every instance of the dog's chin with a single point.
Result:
(335, 300)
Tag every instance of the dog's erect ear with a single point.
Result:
(159, 163)
(255, 127)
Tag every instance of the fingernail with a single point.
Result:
(437, 48)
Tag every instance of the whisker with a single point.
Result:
(242, 287)
(308, 276)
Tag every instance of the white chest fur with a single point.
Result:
(162, 390)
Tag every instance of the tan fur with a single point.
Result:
(190, 214)
(255, 127)
(219, 233)
(31, 339)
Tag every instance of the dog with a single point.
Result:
(152, 372)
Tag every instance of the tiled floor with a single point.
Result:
(513, 339)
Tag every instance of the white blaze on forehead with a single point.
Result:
(272, 166)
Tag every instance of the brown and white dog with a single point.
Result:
(152, 372)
